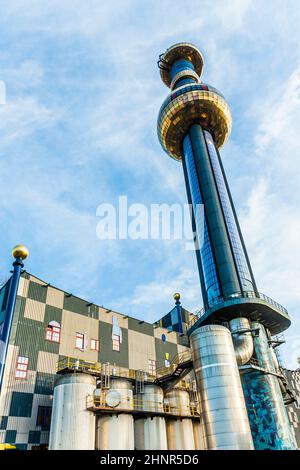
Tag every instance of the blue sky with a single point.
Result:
(79, 129)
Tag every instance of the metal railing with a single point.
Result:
(136, 405)
(97, 368)
(103, 369)
(236, 295)
(174, 363)
(70, 363)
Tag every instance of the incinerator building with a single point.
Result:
(75, 375)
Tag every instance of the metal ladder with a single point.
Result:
(140, 381)
(105, 376)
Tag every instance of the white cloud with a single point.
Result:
(26, 75)
(155, 299)
(24, 116)
(110, 131)
(271, 222)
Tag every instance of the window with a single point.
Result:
(22, 367)
(53, 332)
(79, 341)
(44, 417)
(94, 345)
(152, 366)
(116, 342)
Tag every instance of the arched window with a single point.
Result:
(53, 332)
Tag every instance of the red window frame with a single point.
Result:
(22, 367)
(94, 344)
(116, 342)
(79, 336)
(53, 334)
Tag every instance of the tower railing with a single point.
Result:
(220, 299)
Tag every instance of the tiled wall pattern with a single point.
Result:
(38, 304)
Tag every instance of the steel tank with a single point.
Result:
(268, 418)
(199, 434)
(150, 431)
(180, 434)
(222, 401)
(72, 425)
(115, 431)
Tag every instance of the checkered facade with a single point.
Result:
(25, 402)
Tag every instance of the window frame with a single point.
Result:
(22, 368)
(97, 344)
(116, 343)
(53, 331)
(82, 337)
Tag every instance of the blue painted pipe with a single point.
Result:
(11, 302)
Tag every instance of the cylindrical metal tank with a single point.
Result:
(116, 431)
(180, 434)
(199, 434)
(222, 401)
(150, 431)
(178, 402)
(269, 422)
(72, 425)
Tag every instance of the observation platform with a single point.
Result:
(253, 305)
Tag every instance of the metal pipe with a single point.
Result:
(222, 401)
(242, 340)
(20, 252)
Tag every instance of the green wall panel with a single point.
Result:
(162, 348)
(106, 353)
(37, 291)
(141, 327)
(3, 422)
(34, 437)
(77, 305)
(21, 404)
(52, 314)
(21, 446)
(44, 383)
(10, 436)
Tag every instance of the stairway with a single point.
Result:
(180, 366)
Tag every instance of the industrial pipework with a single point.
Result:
(242, 339)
